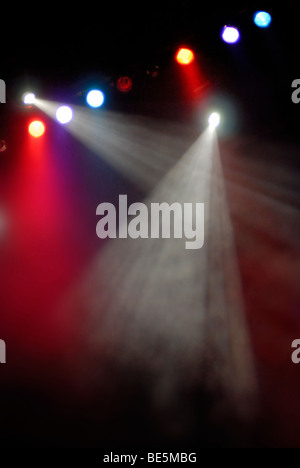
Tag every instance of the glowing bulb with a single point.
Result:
(214, 120)
(29, 98)
(262, 19)
(64, 114)
(95, 98)
(36, 128)
(230, 35)
(185, 56)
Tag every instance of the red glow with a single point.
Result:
(39, 260)
(193, 83)
(36, 128)
(185, 56)
(124, 84)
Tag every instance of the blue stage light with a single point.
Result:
(262, 19)
(95, 98)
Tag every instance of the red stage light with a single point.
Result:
(185, 56)
(36, 128)
(124, 84)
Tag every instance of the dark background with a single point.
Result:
(59, 49)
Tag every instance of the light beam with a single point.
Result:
(173, 317)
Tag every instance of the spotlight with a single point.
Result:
(64, 114)
(214, 120)
(36, 128)
(262, 19)
(28, 98)
(185, 56)
(230, 35)
(95, 98)
(124, 84)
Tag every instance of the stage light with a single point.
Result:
(262, 19)
(95, 98)
(36, 128)
(124, 84)
(64, 114)
(230, 35)
(214, 120)
(28, 98)
(185, 56)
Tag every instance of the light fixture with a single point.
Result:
(28, 98)
(214, 120)
(124, 84)
(230, 35)
(95, 98)
(64, 114)
(36, 128)
(262, 19)
(185, 56)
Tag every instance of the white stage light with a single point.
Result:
(214, 120)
